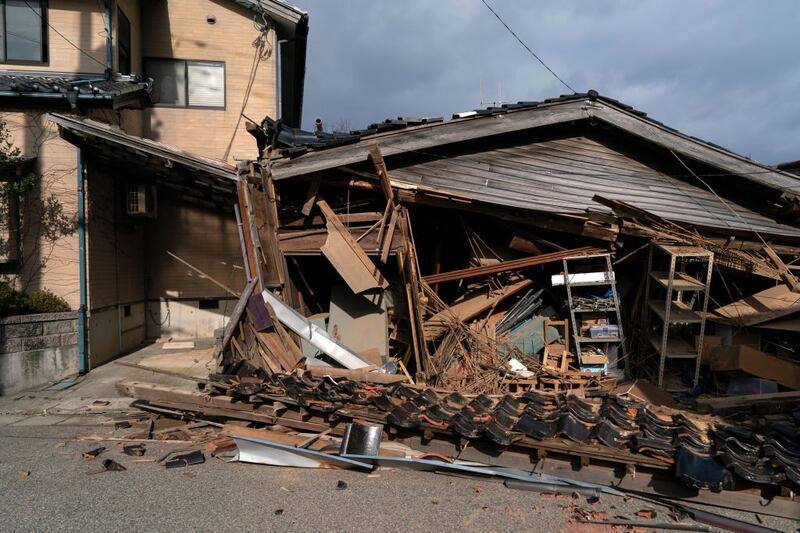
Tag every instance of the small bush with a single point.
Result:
(46, 302)
(13, 302)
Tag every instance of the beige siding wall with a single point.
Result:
(80, 21)
(127, 264)
(206, 239)
(178, 29)
(115, 244)
(49, 251)
(115, 267)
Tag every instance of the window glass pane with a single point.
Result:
(169, 81)
(124, 39)
(24, 30)
(206, 84)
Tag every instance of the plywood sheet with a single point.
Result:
(347, 257)
(359, 321)
(772, 303)
(756, 363)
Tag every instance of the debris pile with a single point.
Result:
(385, 324)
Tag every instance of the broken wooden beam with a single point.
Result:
(508, 266)
(356, 375)
(347, 256)
(784, 272)
(762, 404)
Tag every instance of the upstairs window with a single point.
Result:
(124, 39)
(23, 26)
(179, 83)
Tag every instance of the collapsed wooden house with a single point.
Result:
(494, 279)
(467, 216)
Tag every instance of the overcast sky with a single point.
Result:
(724, 71)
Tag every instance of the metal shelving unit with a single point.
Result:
(590, 361)
(673, 309)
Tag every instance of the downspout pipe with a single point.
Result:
(109, 49)
(279, 80)
(83, 359)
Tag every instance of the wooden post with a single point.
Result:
(241, 187)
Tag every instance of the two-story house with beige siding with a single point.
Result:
(176, 81)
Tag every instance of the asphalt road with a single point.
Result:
(59, 495)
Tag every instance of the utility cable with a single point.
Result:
(720, 199)
(78, 48)
(539, 59)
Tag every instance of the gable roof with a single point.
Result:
(414, 136)
(562, 175)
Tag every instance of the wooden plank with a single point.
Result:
(347, 257)
(412, 283)
(470, 306)
(776, 402)
(236, 315)
(382, 224)
(754, 362)
(769, 304)
(388, 239)
(380, 168)
(269, 350)
(348, 219)
(311, 195)
(223, 406)
(356, 375)
(266, 224)
(784, 272)
(310, 242)
(507, 266)
(241, 185)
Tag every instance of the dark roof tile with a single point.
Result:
(23, 85)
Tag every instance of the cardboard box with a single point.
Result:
(710, 342)
(756, 363)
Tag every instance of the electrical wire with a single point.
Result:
(78, 48)
(539, 59)
(720, 199)
(263, 51)
(669, 178)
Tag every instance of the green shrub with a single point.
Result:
(46, 302)
(13, 302)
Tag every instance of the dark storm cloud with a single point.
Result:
(725, 71)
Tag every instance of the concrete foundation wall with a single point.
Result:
(37, 349)
(115, 330)
(183, 319)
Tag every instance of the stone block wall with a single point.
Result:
(37, 349)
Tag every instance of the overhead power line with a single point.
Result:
(539, 59)
(78, 48)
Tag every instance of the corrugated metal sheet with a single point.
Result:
(561, 176)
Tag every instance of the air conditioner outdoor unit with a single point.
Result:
(140, 200)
